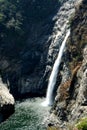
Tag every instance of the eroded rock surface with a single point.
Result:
(71, 99)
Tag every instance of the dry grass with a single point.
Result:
(64, 88)
(52, 128)
(76, 68)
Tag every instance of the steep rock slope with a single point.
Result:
(71, 100)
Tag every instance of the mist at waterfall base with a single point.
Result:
(53, 76)
(29, 115)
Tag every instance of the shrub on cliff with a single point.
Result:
(82, 124)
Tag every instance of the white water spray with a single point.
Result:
(53, 76)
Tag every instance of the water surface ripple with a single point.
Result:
(28, 115)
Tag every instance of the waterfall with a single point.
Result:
(53, 76)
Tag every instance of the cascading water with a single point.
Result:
(53, 76)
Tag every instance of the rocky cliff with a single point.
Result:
(31, 34)
(71, 99)
(25, 29)
(28, 44)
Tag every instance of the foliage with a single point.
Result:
(82, 124)
(17, 18)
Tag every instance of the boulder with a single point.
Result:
(6, 102)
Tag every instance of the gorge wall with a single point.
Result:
(31, 33)
(29, 45)
(24, 31)
(71, 99)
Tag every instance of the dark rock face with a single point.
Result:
(24, 45)
(6, 111)
(28, 50)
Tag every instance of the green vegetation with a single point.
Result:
(82, 124)
(12, 28)
(17, 18)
